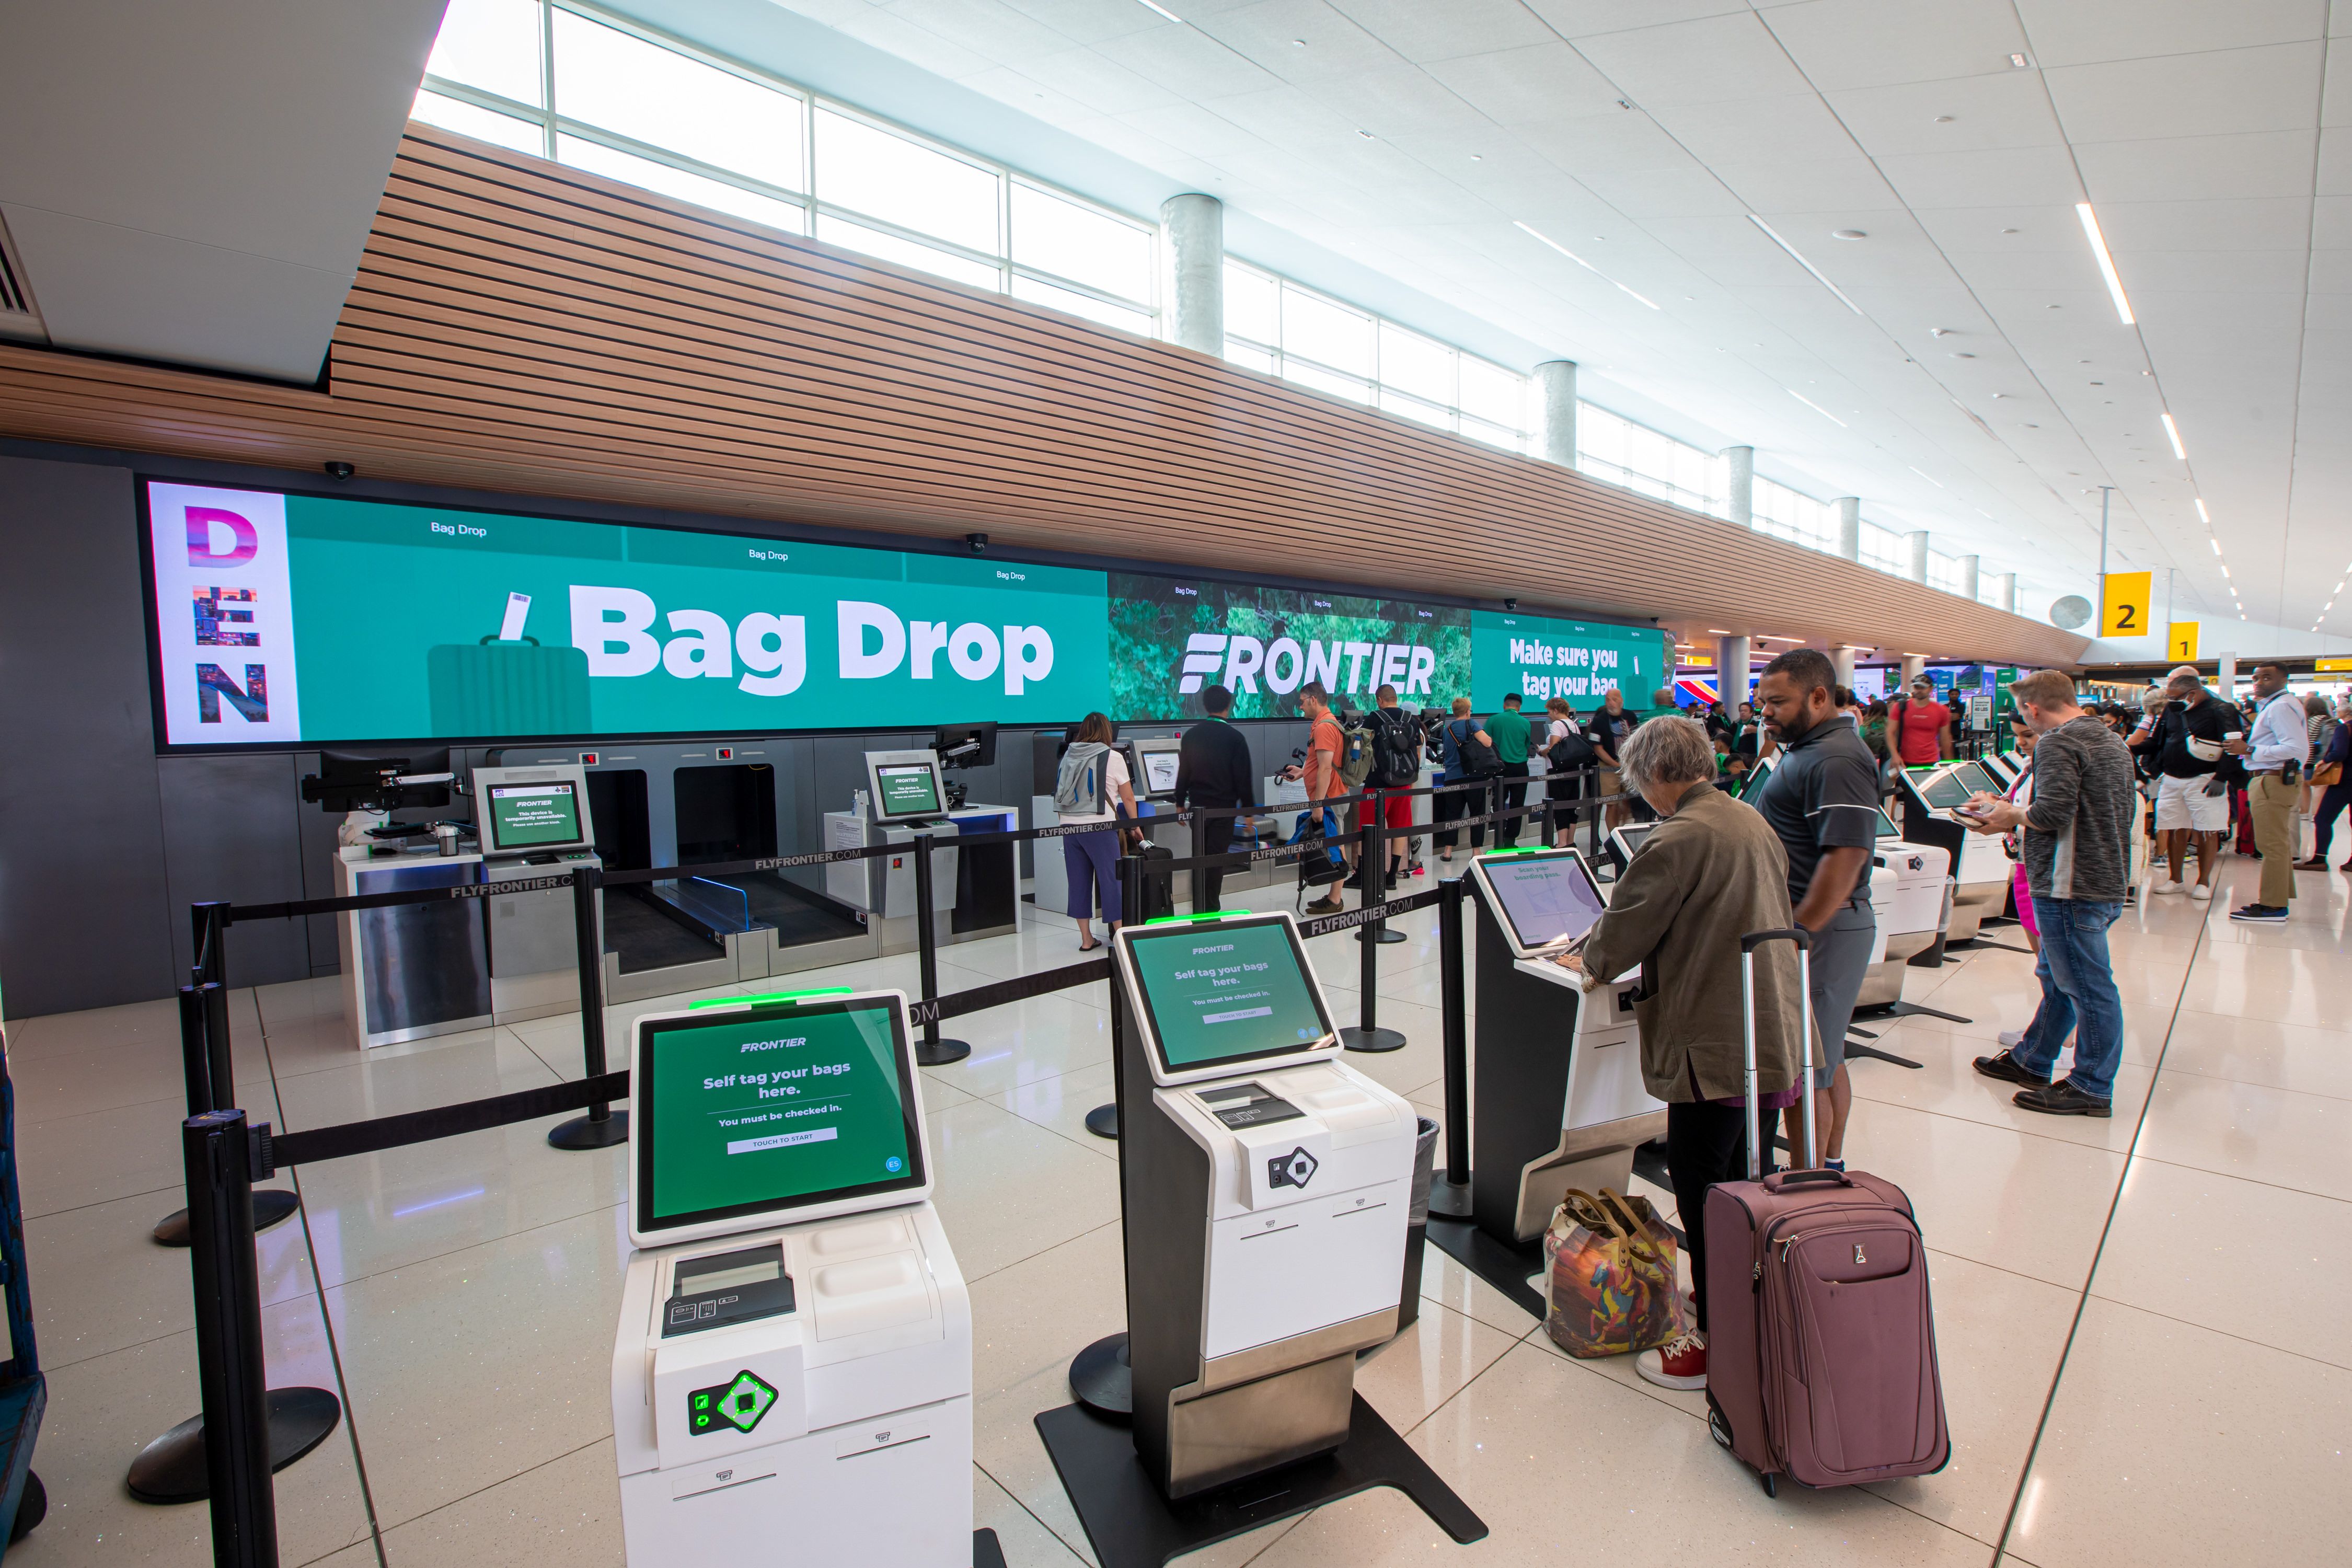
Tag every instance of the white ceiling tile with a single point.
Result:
(1424, 32)
(1663, 193)
(1834, 185)
(1997, 177)
(1089, 21)
(1584, 18)
(2002, 230)
(2199, 168)
(1794, 127)
(2331, 272)
(2334, 174)
(918, 46)
(2010, 109)
(987, 27)
(1396, 100)
(1537, 82)
(1199, 130)
(1875, 43)
(2275, 223)
(2070, 32)
(1619, 139)
(1705, 61)
(1104, 86)
(1186, 61)
(2149, 272)
(1296, 40)
(2229, 94)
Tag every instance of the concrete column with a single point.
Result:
(1913, 665)
(1968, 579)
(1841, 661)
(1731, 672)
(1849, 527)
(2004, 592)
(2226, 680)
(1915, 555)
(1192, 226)
(1741, 492)
(1556, 412)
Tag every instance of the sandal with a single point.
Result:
(1088, 946)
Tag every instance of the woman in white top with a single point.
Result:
(1091, 859)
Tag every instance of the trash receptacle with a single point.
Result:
(1424, 1163)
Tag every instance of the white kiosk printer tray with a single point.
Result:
(792, 1376)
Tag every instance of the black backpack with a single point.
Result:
(1396, 751)
(1570, 752)
(1478, 759)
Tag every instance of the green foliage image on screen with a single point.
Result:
(1217, 993)
(525, 816)
(766, 1111)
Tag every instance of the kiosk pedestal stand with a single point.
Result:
(1264, 1187)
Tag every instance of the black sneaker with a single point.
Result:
(2062, 1099)
(1330, 906)
(2007, 1067)
(2270, 915)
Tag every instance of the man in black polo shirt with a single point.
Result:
(1212, 769)
(1822, 800)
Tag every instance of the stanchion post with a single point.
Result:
(603, 1126)
(1368, 1035)
(1372, 861)
(210, 1074)
(931, 1050)
(1103, 1119)
(1450, 1197)
(217, 1148)
(208, 925)
(195, 1052)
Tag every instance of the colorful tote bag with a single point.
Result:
(1609, 1267)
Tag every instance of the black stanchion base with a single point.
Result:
(1130, 1525)
(986, 1553)
(1389, 935)
(171, 1469)
(1357, 1039)
(1447, 1201)
(1103, 1121)
(581, 1133)
(271, 1206)
(1102, 1379)
(940, 1053)
(1910, 1010)
(1506, 1268)
(1854, 1049)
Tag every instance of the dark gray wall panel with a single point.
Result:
(83, 918)
(230, 832)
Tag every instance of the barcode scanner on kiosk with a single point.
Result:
(1559, 1099)
(1266, 1186)
(794, 1359)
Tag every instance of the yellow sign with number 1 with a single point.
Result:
(2183, 645)
(2131, 597)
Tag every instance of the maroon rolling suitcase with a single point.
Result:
(1820, 1356)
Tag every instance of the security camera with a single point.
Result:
(978, 542)
(339, 470)
(1510, 604)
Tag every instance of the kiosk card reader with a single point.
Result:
(1557, 1100)
(1267, 1187)
(792, 1376)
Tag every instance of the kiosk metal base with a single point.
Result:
(986, 1553)
(1358, 1039)
(1447, 1201)
(172, 1469)
(583, 1132)
(270, 1207)
(1103, 1119)
(1130, 1525)
(1103, 1379)
(940, 1053)
(1506, 1268)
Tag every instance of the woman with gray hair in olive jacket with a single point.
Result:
(1710, 872)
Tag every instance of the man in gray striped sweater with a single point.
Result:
(2077, 840)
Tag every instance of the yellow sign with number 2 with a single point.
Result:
(2130, 597)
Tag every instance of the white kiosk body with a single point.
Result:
(1267, 1186)
(792, 1374)
(905, 793)
(1981, 866)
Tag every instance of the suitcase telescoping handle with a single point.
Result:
(1747, 946)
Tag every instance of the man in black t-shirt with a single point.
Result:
(1822, 800)
(1213, 769)
(2190, 808)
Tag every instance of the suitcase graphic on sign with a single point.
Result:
(508, 684)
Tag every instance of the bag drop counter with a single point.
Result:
(1266, 1189)
(974, 890)
(791, 1370)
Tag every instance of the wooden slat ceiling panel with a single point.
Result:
(523, 328)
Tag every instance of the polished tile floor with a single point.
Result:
(2142, 1321)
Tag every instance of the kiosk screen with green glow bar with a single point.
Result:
(773, 1109)
(526, 816)
(907, 790)
(1225, 990)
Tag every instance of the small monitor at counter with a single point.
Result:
(519, 811)
(1211, 995)
(1159, 758)
(1887, 828)
(1546, 899)
(769, 1112)
(970, 746)
(906, 786)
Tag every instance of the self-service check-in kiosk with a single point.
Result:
(905, 793)
(1557, 1098)
(792, 1374)
(533, 823)
(1909, 889)
(1981, 866)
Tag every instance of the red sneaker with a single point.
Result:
(1681, 1363)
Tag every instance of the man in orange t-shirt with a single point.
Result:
(1322, 772)
(1923, 726)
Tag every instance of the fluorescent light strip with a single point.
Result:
(1925, 475)
(2202, 515)
(2099, 249)
(1561, 248)
(1799, 257)
(1817, 409)
(2215, 544)
(1162, 10)
(2173, 431)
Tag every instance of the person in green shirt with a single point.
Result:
(1508, 730)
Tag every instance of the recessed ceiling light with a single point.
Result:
(1943, 120)
(1963, 356)
(2017, 62)
(1298, 43)
(1849, 234)
(2008, 231)
(1365, 134)
(2174, 431)
(1477, 157)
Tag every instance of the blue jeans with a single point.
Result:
(2078, 994)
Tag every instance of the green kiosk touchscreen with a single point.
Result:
(1221, 991)
(773, 1110)
(907, 790)
(1954, 789)
(531, 816)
